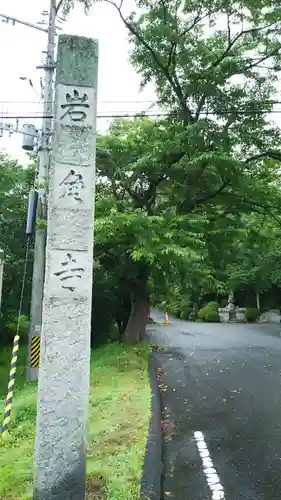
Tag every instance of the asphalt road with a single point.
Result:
(221, 402)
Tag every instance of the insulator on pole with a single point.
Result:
(31, 214)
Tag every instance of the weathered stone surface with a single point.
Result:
(68, 271)
(240, 315)
(230, 306)
(73, 142)
(272, 316)
(72, 187)
(75, 236)
(227, 314)
(77, 52)
(65, 341)
(72, 106)
(224, 315)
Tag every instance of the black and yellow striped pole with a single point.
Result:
(15, 352)
(11, 385)
(35, 352)
(31, 216)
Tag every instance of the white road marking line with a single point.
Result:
(209, 470)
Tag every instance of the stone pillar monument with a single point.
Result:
(65, 342)
(230, 306)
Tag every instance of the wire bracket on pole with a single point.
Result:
(47, 66)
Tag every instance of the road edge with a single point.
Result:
(151, 482)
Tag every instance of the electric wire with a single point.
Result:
(23, 283)
(134, 114)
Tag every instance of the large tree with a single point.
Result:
(207, 56)
(148, 227)
(215, 66)
(139, 232)
(256, 257)
(15, 183)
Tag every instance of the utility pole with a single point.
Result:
(40, 237)
(42, 181)
(37, 293)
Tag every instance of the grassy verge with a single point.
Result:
(118, 420)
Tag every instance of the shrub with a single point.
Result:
(186, 310)
(202, 314)
(212, 317)
(252, 314)
(212, 306)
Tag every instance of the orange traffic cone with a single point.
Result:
(166, 319)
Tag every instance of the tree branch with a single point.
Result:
(164, 11)
(231, 119)
(232, 42)
(255, 206)
(197, 20)
(152, 191)
(171, 54)
(173, 81)
(147, 198)
(228, 27)
(264, 58)
(199, 107)
(267, 154)
(192, 25)
(59, 5)
(212, 195)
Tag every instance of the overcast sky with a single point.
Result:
(21, 51)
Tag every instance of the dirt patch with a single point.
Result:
(9, 498)
(95, 489)
(111, 442)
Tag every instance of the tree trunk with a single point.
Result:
(122, 314)
(136, 326)
(258, 300)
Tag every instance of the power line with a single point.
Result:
(266, 101)
(25, 117)
(140, 101)
(133, 114)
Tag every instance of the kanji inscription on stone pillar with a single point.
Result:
(63, 387)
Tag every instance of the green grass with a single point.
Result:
(119, 413)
